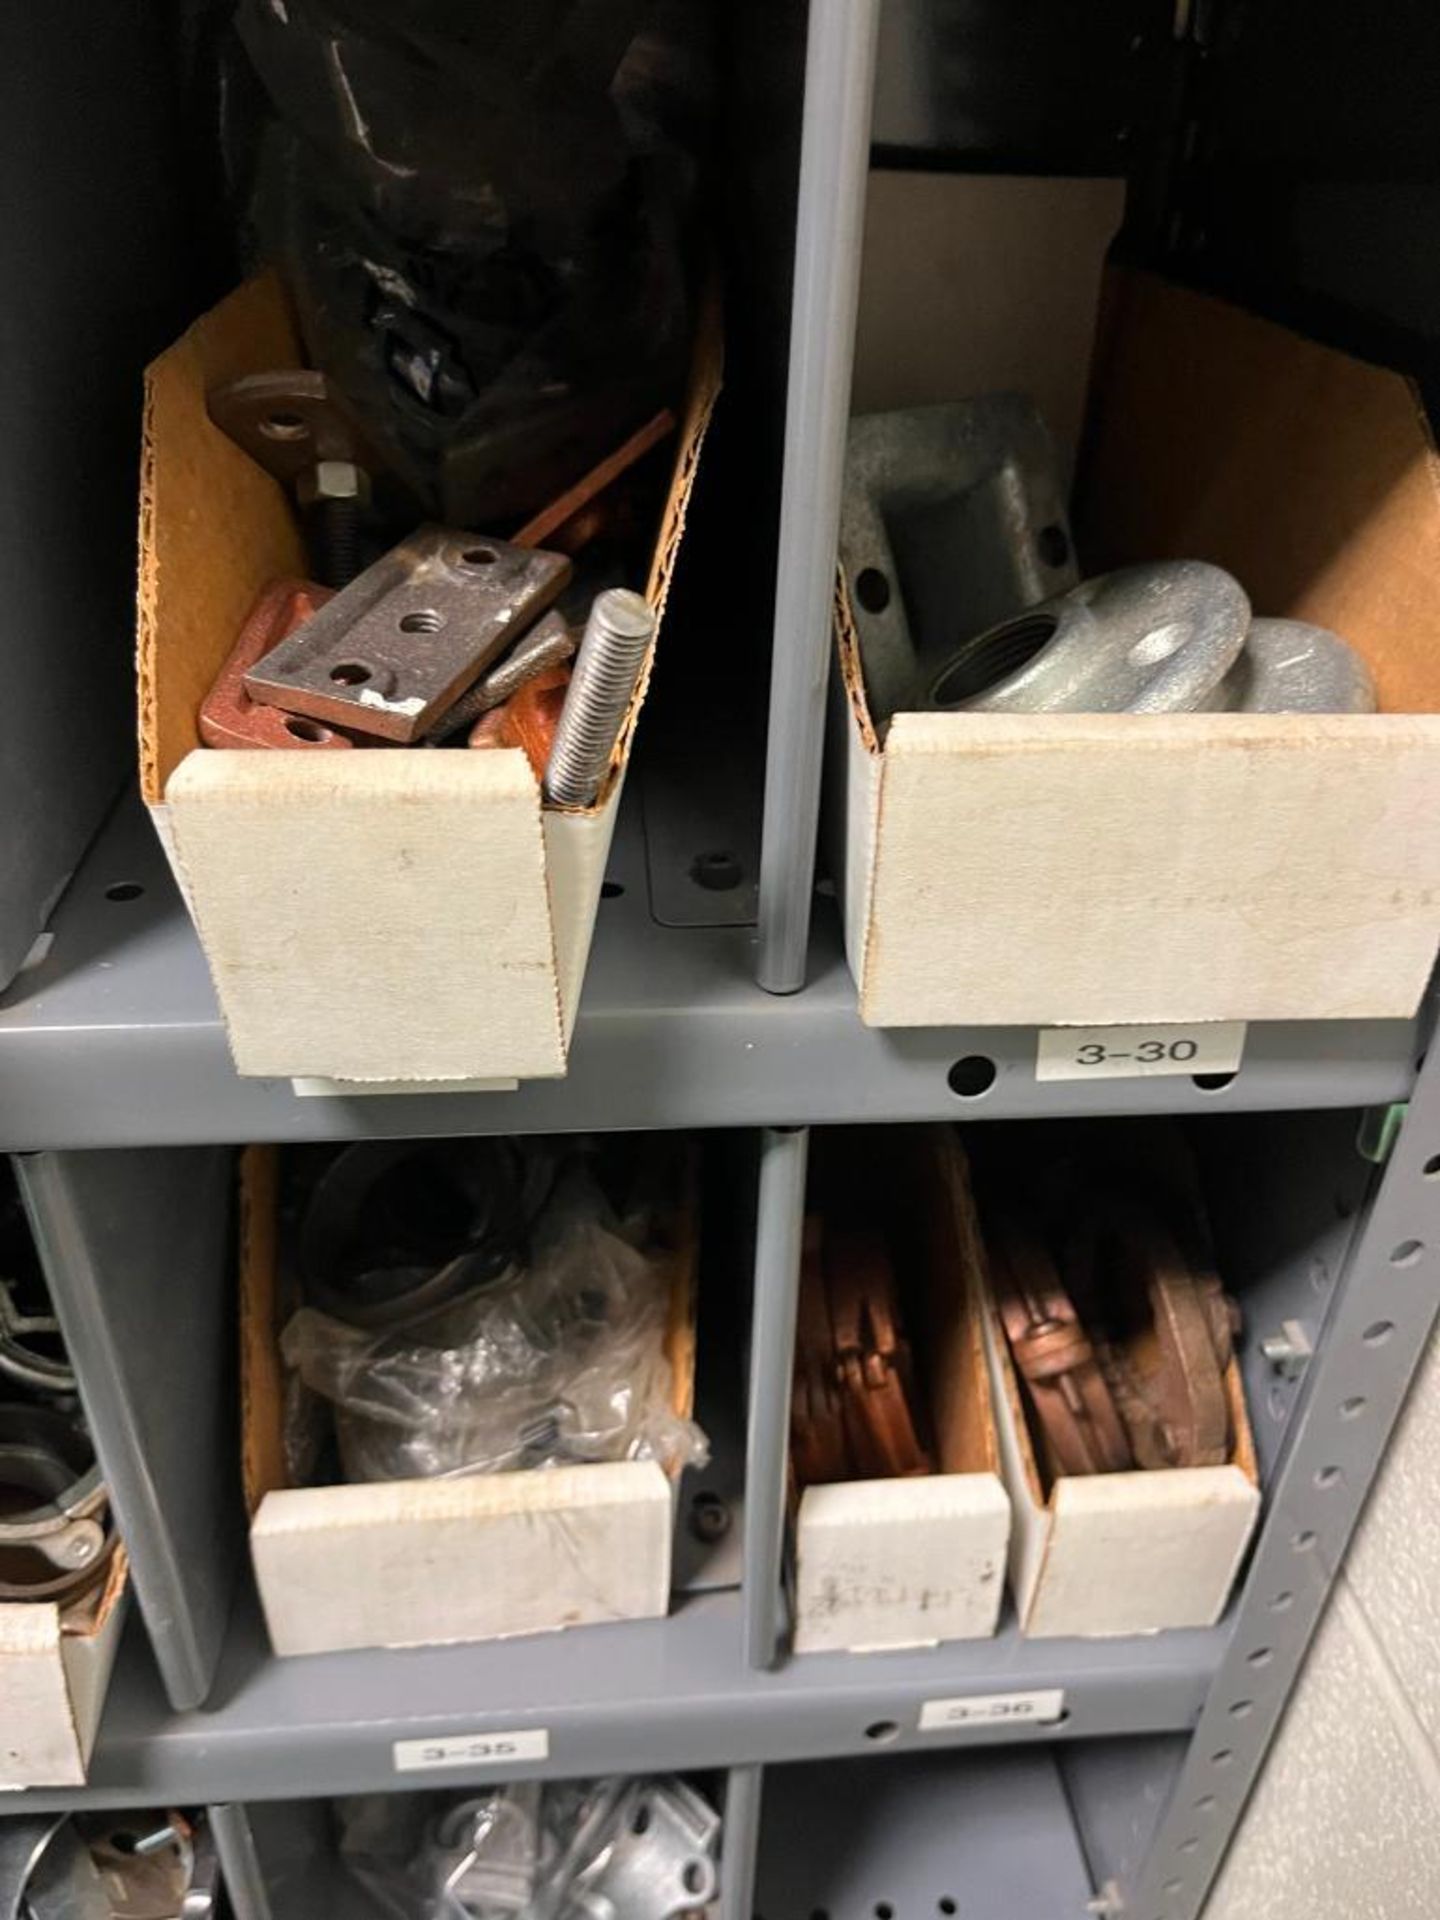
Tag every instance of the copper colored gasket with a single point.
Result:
(1168, 1382)
(1055, 1358)
(853, 1406)
(876, 1369)
(819, 1442)
(228, 716)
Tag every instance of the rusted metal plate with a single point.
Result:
(287, 421)
(579, 514)
(549, 643)
(399, 645)
(229, 717)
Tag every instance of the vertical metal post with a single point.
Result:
(779, 1230)
(136, 1248)
(240, 1866)
(1380, 1321)
(834, 161)
(740, 1844)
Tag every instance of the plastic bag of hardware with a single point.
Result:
(555, 1359)
(484, 216)
(609, 1849)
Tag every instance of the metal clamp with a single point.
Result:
(44, 1452)
(23, 1361)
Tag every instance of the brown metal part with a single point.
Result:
(819, 1440)
(1054, 1357)
(528, 719)
(288, 421)
(853, 1409)
(398, 646)
(1167, 1378)
(549, 643)
(228, 716)
(569, 523)
(877, 1374)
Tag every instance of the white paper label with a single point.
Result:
(993, 1710)
(472, 1750)
(1137, 1053)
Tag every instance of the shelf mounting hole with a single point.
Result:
(1223, 1757)
(1328, 1477)
(1283, 1601)
(1407, 1253)
(610, 890)
(1261, 1657)
(1304, 1541)
(1431, 1168)
(972, 1076)
(881, 1731)
(124, 890)
(872, 589)
(946, 1905)
(1212, 1082)
(1352, 1408)
(1378, 1332)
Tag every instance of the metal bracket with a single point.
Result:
(661, 1863)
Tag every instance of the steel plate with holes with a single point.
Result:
(398, 646)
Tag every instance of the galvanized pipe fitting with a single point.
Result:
(1288, 666)
(1147, 639)
(616, 640)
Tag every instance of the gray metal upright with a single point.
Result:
(740, 1842)
(1377, 1331)
(834, 163)
(135, 1247)
(779, 1229)
(240, 1863)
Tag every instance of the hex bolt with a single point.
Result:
(612, 653)
(332, 496)
(709, 1517)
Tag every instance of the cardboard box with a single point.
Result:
(910, 1562)
(1117, 1553)
(1006, 869)
(55, 1666)
(368, 917)
(423, 1562)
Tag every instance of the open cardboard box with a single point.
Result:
(1117, 1553)
(55, 1665)
(1006, 869)
(910, 1562)
(368, 918)
(424, 1562)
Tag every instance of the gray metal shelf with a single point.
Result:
(114, 1039)
(639, 1695)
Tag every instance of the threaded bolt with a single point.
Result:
(612, 652)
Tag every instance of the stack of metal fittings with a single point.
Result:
(855, 1412)
(475, 1306)
(610, 1849)
(962, 585)
(56, 1533)
(146, 1866)
(448, 637)
(1117, 1322)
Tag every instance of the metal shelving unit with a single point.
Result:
(116, 1092)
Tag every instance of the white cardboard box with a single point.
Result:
(1002, 869)
(54, 1669)
(910, 1562)
(1118, 1553)
(424, 1562)
(368, 917)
